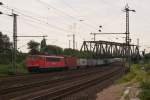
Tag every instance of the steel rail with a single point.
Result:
(42, 83)
(63, 89)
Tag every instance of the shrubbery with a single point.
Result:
(145, 90)
(135, 73)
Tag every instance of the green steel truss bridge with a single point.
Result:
(106, 49)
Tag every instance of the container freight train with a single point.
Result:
(42, 63)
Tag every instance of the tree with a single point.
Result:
(68, 51)
(5, 49)
(147, 56)
(5, 44)
(43, 45)
(33, 47)
(72, 52)
(53, 49)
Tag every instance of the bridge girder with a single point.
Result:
(106, 49)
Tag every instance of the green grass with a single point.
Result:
(21, 68)
(135, 73)
(140, 74)
(145, 85)
(7, 69)
(145, 90)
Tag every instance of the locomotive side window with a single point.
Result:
(53, 59)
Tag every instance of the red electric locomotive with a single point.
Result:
(42, 63)
(37, 63)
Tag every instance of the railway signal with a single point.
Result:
(127, 10)
(1, 3)
(94, 34)
(127, 33)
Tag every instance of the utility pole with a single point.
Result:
(74, 42)
(14, 49)
(76, 45)
(128, 40)
(138, 42)
(73, 37)
(14, 40)
(138, 45)
(69, 43)
(94, 36)
(127, 33)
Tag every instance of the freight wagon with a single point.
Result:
(42, 63)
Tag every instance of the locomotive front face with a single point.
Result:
(33, 62)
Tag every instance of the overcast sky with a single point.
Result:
(58, 18)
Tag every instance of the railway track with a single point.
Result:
(57, 88)
(58, 92)
(12, 82)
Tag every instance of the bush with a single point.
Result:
(21, 68)
(127, 77)
(7, 69)
(135, 73)
(145, 90)
(53, 49)
(5, 58)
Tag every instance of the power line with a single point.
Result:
(29, 13)
(45, 24)
(37, 19)
(37, 26)
(73, 9)
(10, 32)
(69, 6)
(31, 17)
(33, 25)
(62, 12)
(48, 5)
